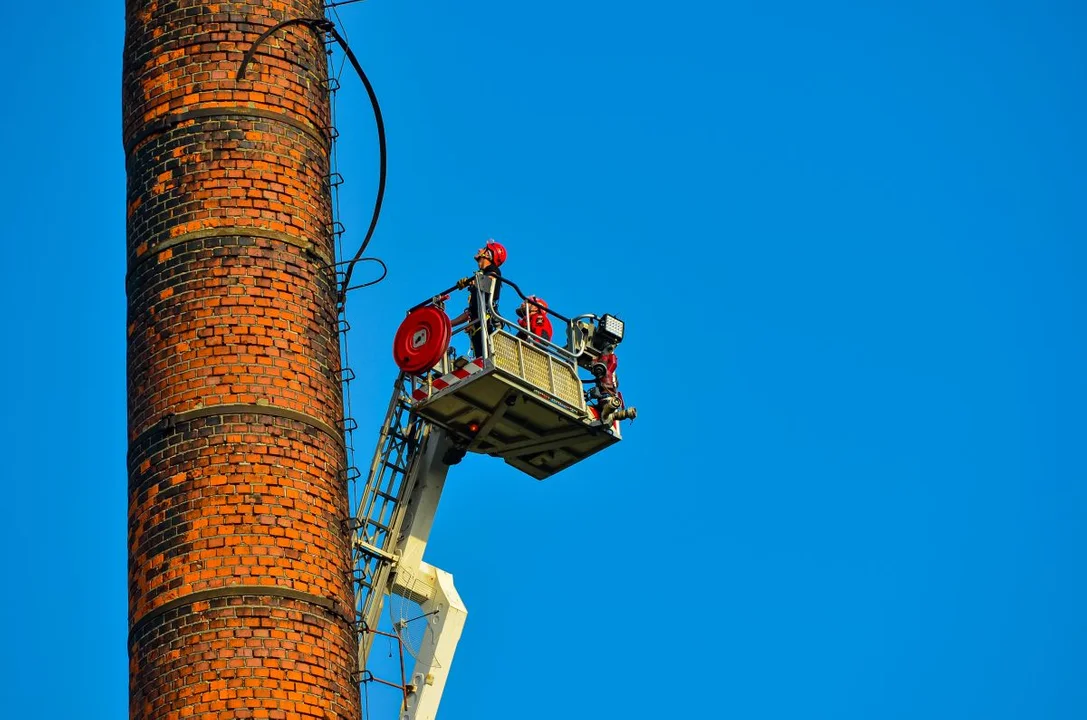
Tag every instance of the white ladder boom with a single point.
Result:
(393, 520)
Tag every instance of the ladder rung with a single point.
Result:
(392, 466)
(377, 524)
(373, 550)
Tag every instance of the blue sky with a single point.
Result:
(848, 242)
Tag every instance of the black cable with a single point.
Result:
(382, 163)
(384, 273)
(324, 25)
(524, 297)
(317, 25)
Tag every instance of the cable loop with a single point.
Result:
(320, 26)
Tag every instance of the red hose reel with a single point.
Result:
(422, 339)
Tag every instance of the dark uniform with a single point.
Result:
(474, 311)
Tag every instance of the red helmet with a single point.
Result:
(534, 304)
(495, 250)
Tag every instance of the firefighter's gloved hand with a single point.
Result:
(463, 283)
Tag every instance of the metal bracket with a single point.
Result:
(538, 444)
(503, 405)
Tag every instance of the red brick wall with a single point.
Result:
(239, 590)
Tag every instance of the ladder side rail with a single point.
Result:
(412, 453)
(372, 606)
(385, 484)
(371, 568)
(366, 499)
(370, 610)
(373, 602)
(384, 488)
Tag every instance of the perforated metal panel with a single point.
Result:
(506, 353)
(538, 367)
(567, 385)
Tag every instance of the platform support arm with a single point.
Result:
(445, 614)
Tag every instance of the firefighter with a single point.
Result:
(488, 258)
(533, 318)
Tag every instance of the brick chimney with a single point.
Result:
(240, 598)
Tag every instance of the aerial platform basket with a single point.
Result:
(521, 399)
(520, 403)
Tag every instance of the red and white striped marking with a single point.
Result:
(445, 381)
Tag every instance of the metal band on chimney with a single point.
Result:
(234, 591)
(170, 421)
(239, 231)
(168, 122)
